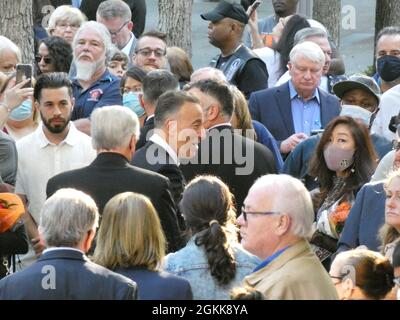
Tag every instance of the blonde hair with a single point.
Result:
(65, 13)
(388, 233)
(130, 234)
(242, 113)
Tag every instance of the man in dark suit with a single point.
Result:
(237, 160)
(155, 83)
(67, 228)
(114, 131)
(176, 114)
(291, 112)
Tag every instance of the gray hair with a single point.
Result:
(212, 74)
(66, 217)
(113, 127)
(157, 82)
(101, 30)
(303, 34)
(65, 13)
(291, 197)
(308, 50)
(6, 43)
(111, 9)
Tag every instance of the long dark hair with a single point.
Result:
(61, 53)
(207, 205)
(364, 164)
(286, 41)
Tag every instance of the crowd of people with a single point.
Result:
(126, 174)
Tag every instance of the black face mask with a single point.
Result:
(389, 68)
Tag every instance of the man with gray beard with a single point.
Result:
(93, 86)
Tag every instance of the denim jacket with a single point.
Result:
(191, 263)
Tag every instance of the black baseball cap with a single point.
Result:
(358, 81)
(225, 9)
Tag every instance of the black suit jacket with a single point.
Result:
(111, 174)
(158, 285)
(144, 131)
(154, 158)
(272, 107)
(75, 278)
(238, 161)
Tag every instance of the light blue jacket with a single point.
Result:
(191, 263)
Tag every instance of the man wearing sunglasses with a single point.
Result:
(116, 16)
(275, 222)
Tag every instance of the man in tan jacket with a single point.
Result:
(275, 222)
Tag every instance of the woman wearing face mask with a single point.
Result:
(131, 89)
(343, 162)
(20, 118)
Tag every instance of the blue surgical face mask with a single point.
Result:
(22, 112)
(131, 100)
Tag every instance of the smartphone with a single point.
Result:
(254, 7)
(315, 132)
(24, 71)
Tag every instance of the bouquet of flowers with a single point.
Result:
(331, 220)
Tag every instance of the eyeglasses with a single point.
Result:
(245, 213)
(147, 52)
(337, 278)
(64, 25)
(47, 60)
(119, 30)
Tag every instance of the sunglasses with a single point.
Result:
(245, 213)
(47, 60)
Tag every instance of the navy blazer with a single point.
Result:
(75, 278)
(158, 285)
(272, 107)
(366, 217)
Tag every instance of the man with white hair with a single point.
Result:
(93, 86)
(115, 131)
(292, 111)
(67, 227)
(276, 230)
(208, 73)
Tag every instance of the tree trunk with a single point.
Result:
(16, 24)
(387, 14)
(176, 21)
(329, 14)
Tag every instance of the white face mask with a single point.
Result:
(356, 112)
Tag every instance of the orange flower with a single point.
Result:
(341, 213)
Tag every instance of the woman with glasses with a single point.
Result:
(64, 22)
(54, 55)
(362, 275)
(212, 260)
(343, 162)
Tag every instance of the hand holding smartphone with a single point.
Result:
(254, 7)
(24, 72)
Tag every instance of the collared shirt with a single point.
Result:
(128, 47)
(163, 144)
(104, 92)
(306, 114)
(270, 259)
(76, 3)
(39, 160)
(220, 125)
(51, 249)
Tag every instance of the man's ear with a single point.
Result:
(88, 240)
(141, 100)
(130, 25)
(212, 112)
(132, 143)
(348, 287)
(36, 105)
(284, 223)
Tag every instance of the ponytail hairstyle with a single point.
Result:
(207, 205)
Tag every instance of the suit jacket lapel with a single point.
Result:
(325, 114)
(285, 107)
